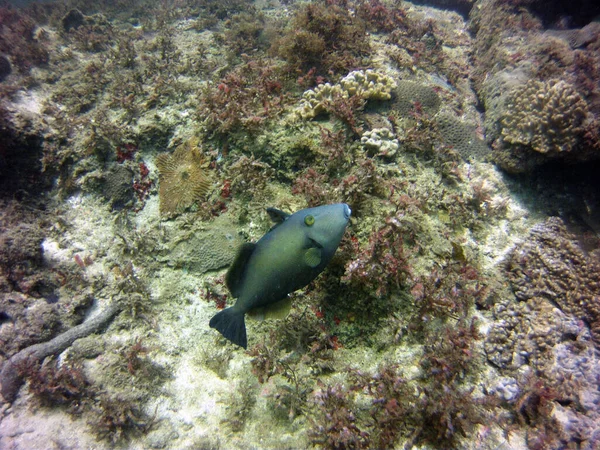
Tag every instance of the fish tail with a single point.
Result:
(231, 325)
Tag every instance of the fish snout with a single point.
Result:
(347, 211)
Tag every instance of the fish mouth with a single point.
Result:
(347, 211)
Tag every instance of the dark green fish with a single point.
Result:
(288, 257)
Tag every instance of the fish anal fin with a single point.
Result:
(277, 310)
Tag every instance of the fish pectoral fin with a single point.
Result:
(312, 257)
(277, 310)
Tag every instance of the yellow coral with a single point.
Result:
(366, 84)
(183, 176)
(545, 116)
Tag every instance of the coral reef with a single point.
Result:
(243, 100)
(380, 142)
(578, 37)
(546, 117)
(205, 248)
(365, 85)
(118, 187)
(21, 39)
(462, 138)
(410, 96)
(11, 375)
(437, 410)
(552, 332)
(382, 265)
(31, 291)
(327, 37)
(411, 337)
(535, 85)
(184, 178)
(551, 265)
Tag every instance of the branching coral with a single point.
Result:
(184, 178)
(546, 117)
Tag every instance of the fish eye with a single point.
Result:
(309, 220)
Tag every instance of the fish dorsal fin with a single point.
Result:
(233, 278)
(277, 310)
(277, 215)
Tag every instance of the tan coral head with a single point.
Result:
(184, 178)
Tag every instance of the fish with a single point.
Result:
(288, 257)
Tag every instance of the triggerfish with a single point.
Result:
(292, 254)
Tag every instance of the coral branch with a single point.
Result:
(10, 376)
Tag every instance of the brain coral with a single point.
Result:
(366, 84)
(408, 94)
(462, 138)
(183, 178)
(546, 117)
(205, 247)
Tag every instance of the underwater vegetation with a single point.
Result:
(143, 145)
